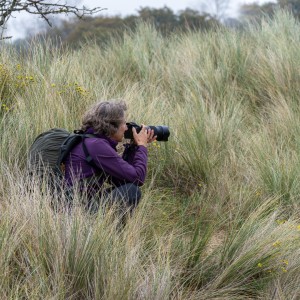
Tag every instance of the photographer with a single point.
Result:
(105, 125)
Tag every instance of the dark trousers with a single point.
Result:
(126, 196)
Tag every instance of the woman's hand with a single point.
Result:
(144, 137)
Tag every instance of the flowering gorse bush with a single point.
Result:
(13, 80)
(4, 87)
(69, 88)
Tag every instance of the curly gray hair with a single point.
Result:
(104, 117)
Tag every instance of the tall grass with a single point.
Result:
(219, 218)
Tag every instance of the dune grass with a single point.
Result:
(219, 218)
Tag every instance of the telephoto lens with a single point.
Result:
(162, 132)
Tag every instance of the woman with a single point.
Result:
(105, 125)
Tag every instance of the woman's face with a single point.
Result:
(119, 135)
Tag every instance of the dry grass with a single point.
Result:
(220, 212)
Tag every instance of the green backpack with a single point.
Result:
(50, 149)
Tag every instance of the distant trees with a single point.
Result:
(193, 19)
(166, 21)
(101, 29)
(98, 29)
(292, 5)
(163, 19)
(42, 8)
(255, 11)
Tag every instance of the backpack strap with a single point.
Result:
(88, 157)
(66, 147)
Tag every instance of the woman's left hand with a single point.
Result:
(151, 136)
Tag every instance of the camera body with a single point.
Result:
(162, 132)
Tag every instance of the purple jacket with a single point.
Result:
(130, 168)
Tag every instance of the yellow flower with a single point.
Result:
(285, 261)
(298, 227)
(277, 244)
(284, 270)
(280, 222)
(5, 107)
(53, 84)
(259, 265)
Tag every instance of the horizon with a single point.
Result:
(20, 24)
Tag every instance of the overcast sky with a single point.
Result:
(22, 23)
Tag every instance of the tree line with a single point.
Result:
(255, 12)
(101, 29)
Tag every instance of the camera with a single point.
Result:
(162, 132)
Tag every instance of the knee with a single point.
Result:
(129, 193)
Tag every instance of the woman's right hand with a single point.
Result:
(142, 138)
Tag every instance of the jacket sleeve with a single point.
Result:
(108, 160)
